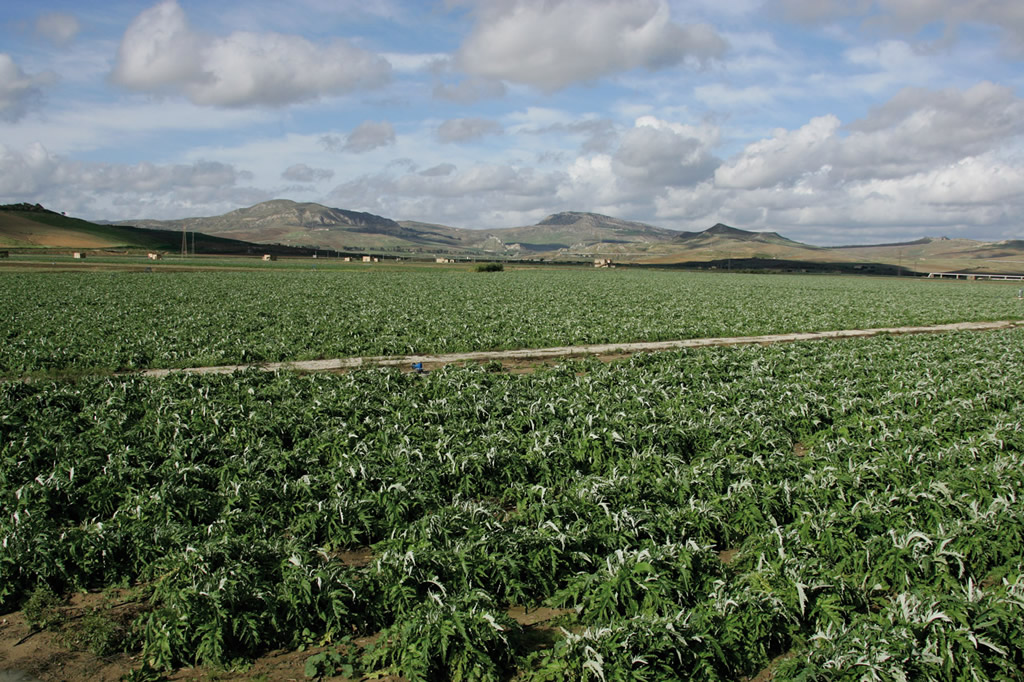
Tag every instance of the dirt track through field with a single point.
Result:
(529, 356)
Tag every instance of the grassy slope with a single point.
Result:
(944, 255)
(29, 228)
(953, 255)
(717, 248)
(45, 229)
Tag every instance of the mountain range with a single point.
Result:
(576, 234)
(307, 224)
(303, 228)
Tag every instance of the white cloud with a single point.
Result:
(137, 121)
(551, 45)
(968, 182)
(917, 129)
(534, 118)
(35, 174)
(484, 179)
(36, 169)
(652, 155)
(367, 136)
(147, 177)
(26, 173)
(913, 132)
(911, 17)
(19, 92)
(888, 55)
(925, 162)
(483, 195)
(596, 135)
(592, 183)
(403, 62)
(658, 153)
(821, 11)
(884, 66)
(731, 8)
(787, 114)
(465, 129)
(300, 172)
(57, 27)
(858, 212)
(982, 114)
(439, 169)
(160, 52)
(785, 154)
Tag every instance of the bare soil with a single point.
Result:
(27, 655)
(355, 557)
(530, 617)
(51, 655)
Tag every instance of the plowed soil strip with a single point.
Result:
(599, 350)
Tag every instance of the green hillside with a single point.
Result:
(32, 226)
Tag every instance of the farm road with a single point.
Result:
(528, 355)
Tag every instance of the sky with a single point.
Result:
(828, 121)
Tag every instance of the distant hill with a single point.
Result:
(313, 225)
(32, 226)
(281, 225)
(720, 230)
(944, 255)
(577, 234)
(28, 225)
(299, 224)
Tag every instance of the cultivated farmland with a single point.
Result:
(122, 320)
(832, 509)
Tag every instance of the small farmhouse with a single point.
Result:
(269, 256)
(153, 256)
(78, 255)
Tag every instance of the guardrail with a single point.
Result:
(971, 276)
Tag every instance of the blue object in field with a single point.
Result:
(417, 366)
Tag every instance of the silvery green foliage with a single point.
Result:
(74, 322)
(853, 503)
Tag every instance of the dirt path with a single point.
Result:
(533, 355)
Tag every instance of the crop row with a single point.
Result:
(119, 321)
(700, 513)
